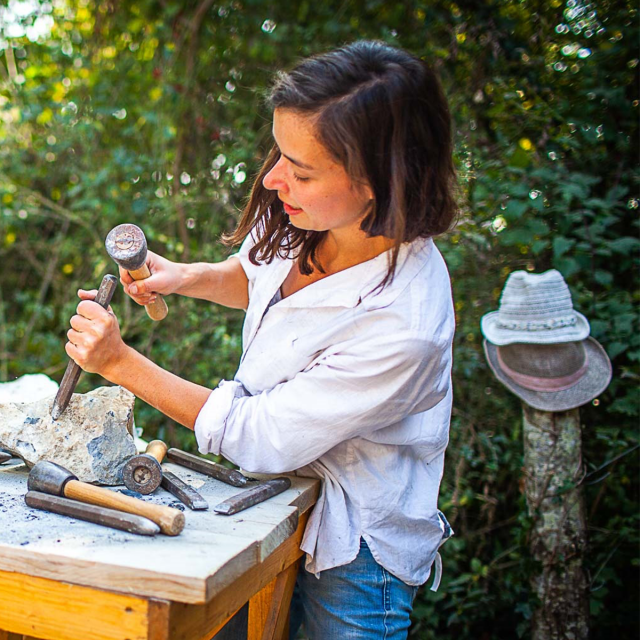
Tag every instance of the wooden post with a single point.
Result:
(553, 469)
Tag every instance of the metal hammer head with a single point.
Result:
(142, 473)
(127, 245)
(49, 477)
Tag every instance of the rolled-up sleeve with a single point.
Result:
(212, 419)
(355, 390)
(250, 269)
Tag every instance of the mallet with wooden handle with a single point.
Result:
(143, 472)
(49, 477)
(127, 245)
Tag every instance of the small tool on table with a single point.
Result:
(254, 495)
(127, 245)
(182, 491)
(72, 374)
(92, 513)
(51, 478)
(143, 472)
(209, 468)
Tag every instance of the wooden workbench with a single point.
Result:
(64, 579)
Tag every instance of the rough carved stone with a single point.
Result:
(92, 438)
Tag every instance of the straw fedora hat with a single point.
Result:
(551, 377)
(535, 308)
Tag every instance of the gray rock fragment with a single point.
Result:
(92, 438)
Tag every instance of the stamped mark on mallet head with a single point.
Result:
(127, 245)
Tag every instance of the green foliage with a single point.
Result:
(150, 113)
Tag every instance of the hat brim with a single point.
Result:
(497, 334)
(589, 386)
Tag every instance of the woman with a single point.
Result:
(345, 373)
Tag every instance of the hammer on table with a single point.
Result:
(54, 479)
(127, 245)
(143, 472)
(91, 513)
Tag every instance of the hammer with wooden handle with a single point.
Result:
(127, 245)
(143, 472)
(49, 477)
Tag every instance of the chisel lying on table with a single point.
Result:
(255, 495)
(181, 490)
(217, 471)
(92, 513)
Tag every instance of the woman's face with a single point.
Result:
(316, 191)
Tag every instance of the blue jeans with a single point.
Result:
(358, 601)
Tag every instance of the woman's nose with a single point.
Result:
(275, 179)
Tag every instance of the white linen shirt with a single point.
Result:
(353, 387)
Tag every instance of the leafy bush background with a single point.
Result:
(150, 112)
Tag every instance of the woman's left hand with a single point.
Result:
(95, 343)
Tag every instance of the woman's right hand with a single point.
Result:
(166, 277)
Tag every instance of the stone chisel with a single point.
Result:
(254, 495)
(181, 490)
(92, 513)
(72, 374)
(209, 468)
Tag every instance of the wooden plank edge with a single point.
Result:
(124, 580)
(44, 608)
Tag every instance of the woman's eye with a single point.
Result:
(299, 178)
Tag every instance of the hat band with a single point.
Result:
(538, 325)
(534, 383)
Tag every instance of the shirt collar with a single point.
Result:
(357, 284)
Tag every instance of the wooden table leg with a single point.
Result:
(269, 608)
(201, 622)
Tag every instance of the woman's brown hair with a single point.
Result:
(382, 114)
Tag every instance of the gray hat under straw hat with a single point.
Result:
(539, 347)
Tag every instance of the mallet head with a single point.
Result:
(142, 473)
(49, 477)
(127, 245)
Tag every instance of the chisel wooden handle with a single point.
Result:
(171, 521)
(156, 310)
